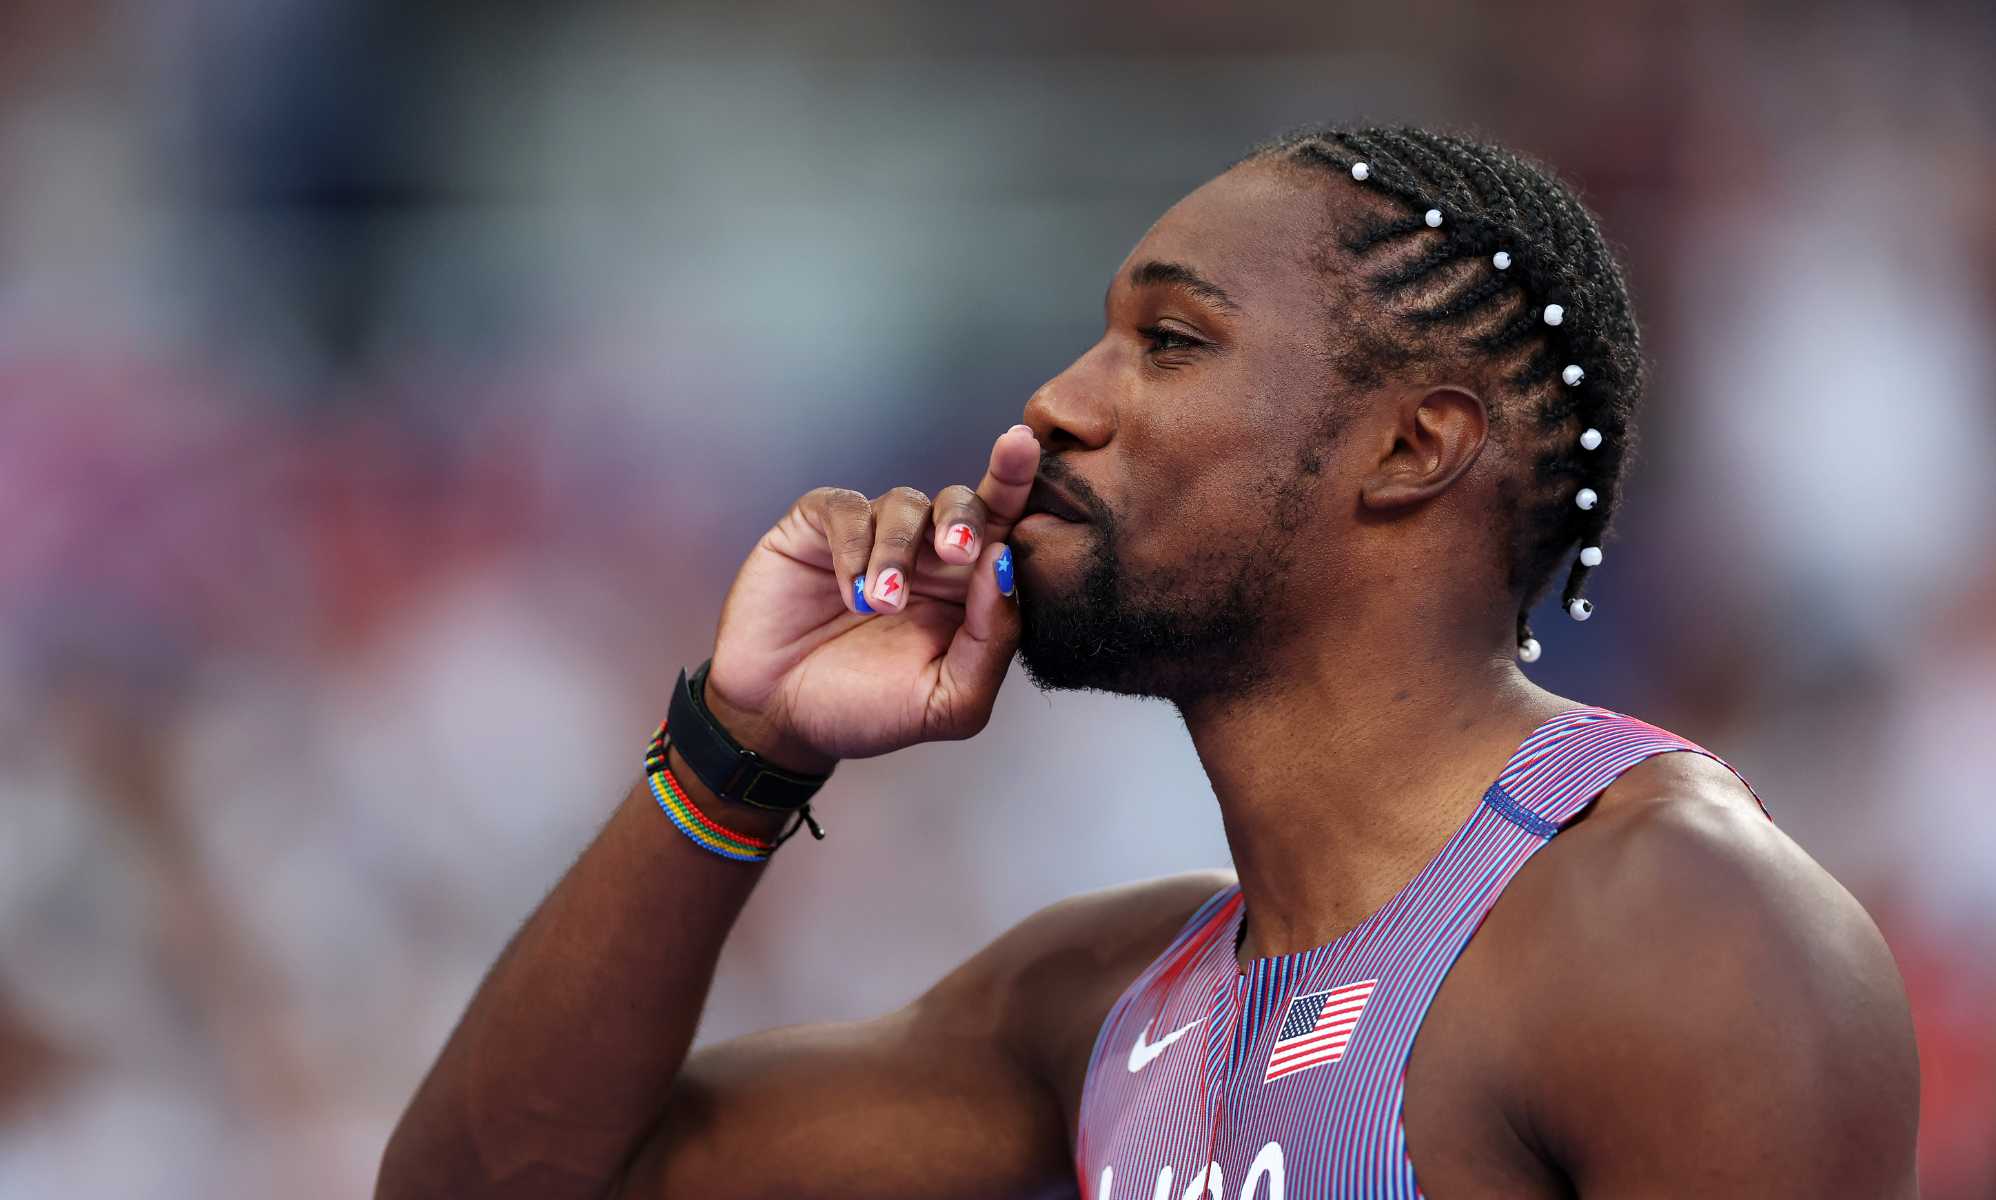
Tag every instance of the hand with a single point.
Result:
(805, 676)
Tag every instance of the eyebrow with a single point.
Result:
(1156, 273)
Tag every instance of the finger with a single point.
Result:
(959, 519)
(900, 526)
(981, 650)
(847, 519)
(1015, 459)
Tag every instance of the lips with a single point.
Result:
(1049, 499)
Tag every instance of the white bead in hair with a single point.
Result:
(1554, 314)
(1501, 260)
(1361, 171)
(1590, 439)
(1434, 218)
(1573, 374)
(1590, 556)
(1580, 610)
(1528, 650)
(1586, 498)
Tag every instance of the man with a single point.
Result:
(1356, 399)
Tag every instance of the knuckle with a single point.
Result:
(943, 718)
(826, 495)
(898, 538)
(909, 495)
(839, 505)
(962, 506)
(953, 716)
(855, 543)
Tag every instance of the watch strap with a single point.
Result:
(730, 770)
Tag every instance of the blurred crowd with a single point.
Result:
(388, 393)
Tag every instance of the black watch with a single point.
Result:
(729, 770)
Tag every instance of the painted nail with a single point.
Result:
(1002, 567)
(889, 588)
(960, 537)
(859, 595)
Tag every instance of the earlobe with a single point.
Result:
(1437, 437)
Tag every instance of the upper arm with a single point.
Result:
(962, 1093)
(915, 1103)
(1728, 1020)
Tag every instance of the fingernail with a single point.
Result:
(889, 588)
(859, 595)
(1017, 428)
(961, 537)
(1002, 567)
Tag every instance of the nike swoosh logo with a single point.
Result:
(1144, 1050)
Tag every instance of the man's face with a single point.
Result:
(1194, 440)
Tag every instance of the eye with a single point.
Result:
(1162, 339)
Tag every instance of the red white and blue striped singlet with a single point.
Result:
(1283, 1080)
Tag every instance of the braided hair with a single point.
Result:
(1474, 250)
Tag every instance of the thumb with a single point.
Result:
(978, 656)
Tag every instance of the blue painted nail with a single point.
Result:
(859, 595)
(1002, 567)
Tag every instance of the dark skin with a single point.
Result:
(1670, 1000)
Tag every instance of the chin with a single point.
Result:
(1046, 570)
(1089, 625)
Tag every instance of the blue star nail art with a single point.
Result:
(1002, 567)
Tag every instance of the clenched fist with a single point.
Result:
(861, 626)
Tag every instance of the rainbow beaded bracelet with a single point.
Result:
(701, 829)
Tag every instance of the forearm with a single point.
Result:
(565, 1055)
(564, 1061)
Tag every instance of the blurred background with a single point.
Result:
(388, 393)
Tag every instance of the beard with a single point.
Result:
(1199, 630)
(1192, 634)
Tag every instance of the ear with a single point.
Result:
(1436, 436)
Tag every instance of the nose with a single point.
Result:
(1074, 410)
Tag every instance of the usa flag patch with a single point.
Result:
(1315, 1029)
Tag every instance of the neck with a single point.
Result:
(1339, 780)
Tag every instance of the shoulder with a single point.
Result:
(1113, 924)
(1677, 858)
(1694, 981)
(1065, 955)
(1080, 943)
(1045, 985)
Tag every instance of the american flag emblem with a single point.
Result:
(1316, 1028)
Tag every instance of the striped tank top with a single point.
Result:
(1282, 1080)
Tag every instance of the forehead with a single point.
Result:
(1260, 231)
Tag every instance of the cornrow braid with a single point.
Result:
(1480, 246)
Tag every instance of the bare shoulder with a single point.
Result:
(1060, 970)
(1109, 928)
(1686, 978)
(1677, 858)
(1072, 949)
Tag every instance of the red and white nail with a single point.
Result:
(962, 541)
(889, 590)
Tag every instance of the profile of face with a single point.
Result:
(1189, 453)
